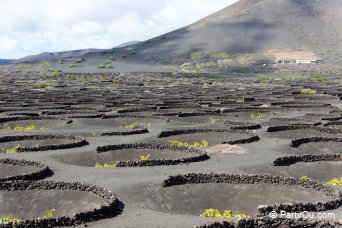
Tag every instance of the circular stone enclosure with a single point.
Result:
(13, 169)
(322, 167)
(72, 203)
(212, 136)
(33, 124)
(191, 194)
(27, 143)
(121, 122)
(134, 155)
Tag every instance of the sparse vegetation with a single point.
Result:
(264, 79)
(31, 127)
(80, 60)
(198, 55)
(106, 165)
(136, 124)
(41, 85)
(212, 213)
(101, 66)
(216, 55)
(190, 68)
(50, 214)
(111, 58)
(60, 61)
(56, 72)
(308, 91)
(195, 144)
(335, 182)
(13, 150)
(145, 158)
(289, 76)
(44, 65)
(257, 116)
(7, 219)
(304, 178)
(95, 134)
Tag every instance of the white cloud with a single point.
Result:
(34, 26)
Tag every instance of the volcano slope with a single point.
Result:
(250, 31)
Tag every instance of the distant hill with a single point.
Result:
(248, 26)
(56, 55)
(127, 44)
(6, 61)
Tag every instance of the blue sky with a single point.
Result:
(33, 26)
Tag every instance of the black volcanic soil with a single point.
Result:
(181, 104)
(7, 170)
(193, 199)
(32, 204)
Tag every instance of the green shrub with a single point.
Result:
(145, 157)
(219, 55)
(111, 58)
(123, 56)
(60, 61)
(198, 55)
(212, 213)
(264, 79)
(106, 165)
(109, 66)
(50, 214)
(8, 219)
(101, 66)
(41, 85)
(56, 72)
(304, 178)
(136, 124)
(195, 144)
(308, 91)
(71, 66)
(80, 60)
(335, 182)
(257, 116)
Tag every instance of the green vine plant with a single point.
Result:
(31, 127)
(13, 150)
(106, 165)
(6, 219)
(308, 92)
(212, 213)
(145, 157)
(335, 182)
(304, 178)
(202, 144)
(50, 214)
(95, 134)
(136, 124)
(257, 116)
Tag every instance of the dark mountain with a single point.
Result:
(56, 55)
(257, 25)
